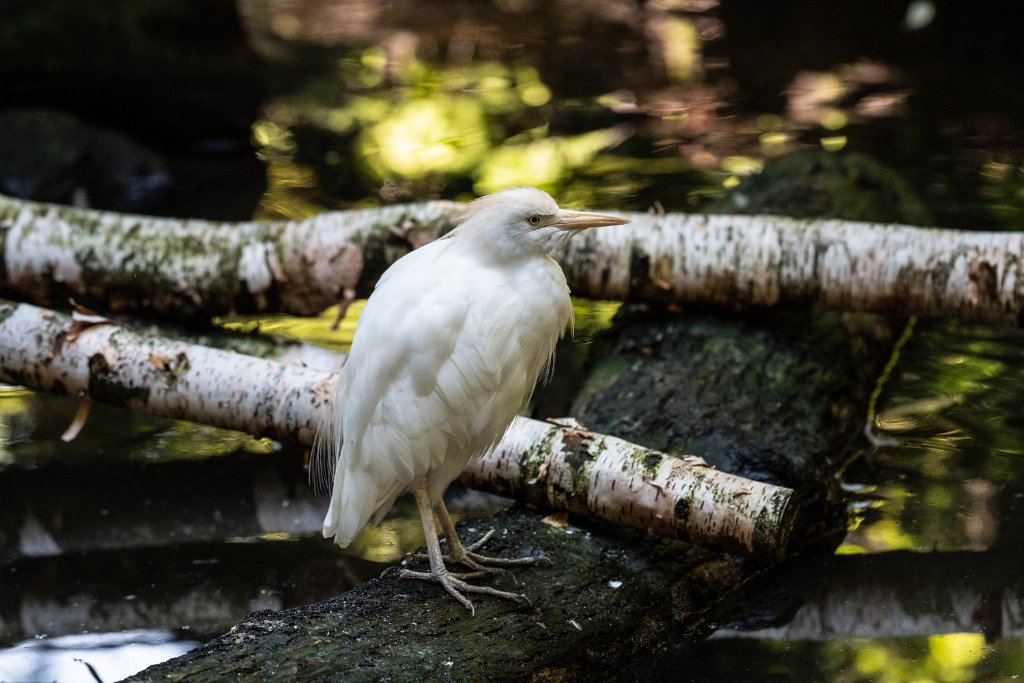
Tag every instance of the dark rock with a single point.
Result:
(813, 183)
(52, 156)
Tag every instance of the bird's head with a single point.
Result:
(524, 219)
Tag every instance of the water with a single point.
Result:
(928, 583)
(953, 415)
(105, 657)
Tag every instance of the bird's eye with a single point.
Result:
(534, 220)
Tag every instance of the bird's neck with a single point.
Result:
(498, 246)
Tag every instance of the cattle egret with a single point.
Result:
(447, 351)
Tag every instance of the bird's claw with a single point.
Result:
(482, 542)
(477, 568)
(454, 584)
(468, 557)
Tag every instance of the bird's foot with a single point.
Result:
(467, 556)
(456, 586)
(458, 575)
(483, 564)
(467, 560)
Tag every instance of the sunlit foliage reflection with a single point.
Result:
(416, 130)
(954, 463)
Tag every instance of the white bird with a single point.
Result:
(448, 349)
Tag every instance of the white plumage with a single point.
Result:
(447, 351)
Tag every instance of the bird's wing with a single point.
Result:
(414, 381)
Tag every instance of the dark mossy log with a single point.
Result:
(613, 601)
(608, 597)
(776, 397)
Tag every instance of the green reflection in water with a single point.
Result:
(1002, 190)
(955, 475)
(313, 330)
(947, 658)
(590, 318)
(31, 425)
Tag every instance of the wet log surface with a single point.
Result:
(607, 598)
(781, 398)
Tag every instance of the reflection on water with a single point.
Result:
(954, 478)
(316, 330)
(929, 582)
(31, 425)
(950, 658)
(92, 657)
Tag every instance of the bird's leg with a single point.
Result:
(438, 572)
(466, 555)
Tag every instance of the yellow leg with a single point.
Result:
(466, 555)
(438, 572)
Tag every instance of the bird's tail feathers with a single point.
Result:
(328, 441)
(323, 459)
(352, 504)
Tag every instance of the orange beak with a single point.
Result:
(581, 220)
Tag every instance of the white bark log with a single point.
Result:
(182, 267)
(304, 266)
(572, 469)
(43, 349)
(564, 467)
(743, 261)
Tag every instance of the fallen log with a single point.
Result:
(606, 599)
(584, 473)
(188, 268)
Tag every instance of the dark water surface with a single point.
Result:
(928, 584)
(146, 536)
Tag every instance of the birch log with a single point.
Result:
(47, 350)
(747, 261)
(182, 268)
(188, 267)
(572, 469)
(563, 467)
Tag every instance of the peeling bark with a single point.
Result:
(181, 268)
(43, 349)
(562, 467)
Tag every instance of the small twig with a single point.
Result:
(78, 421)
